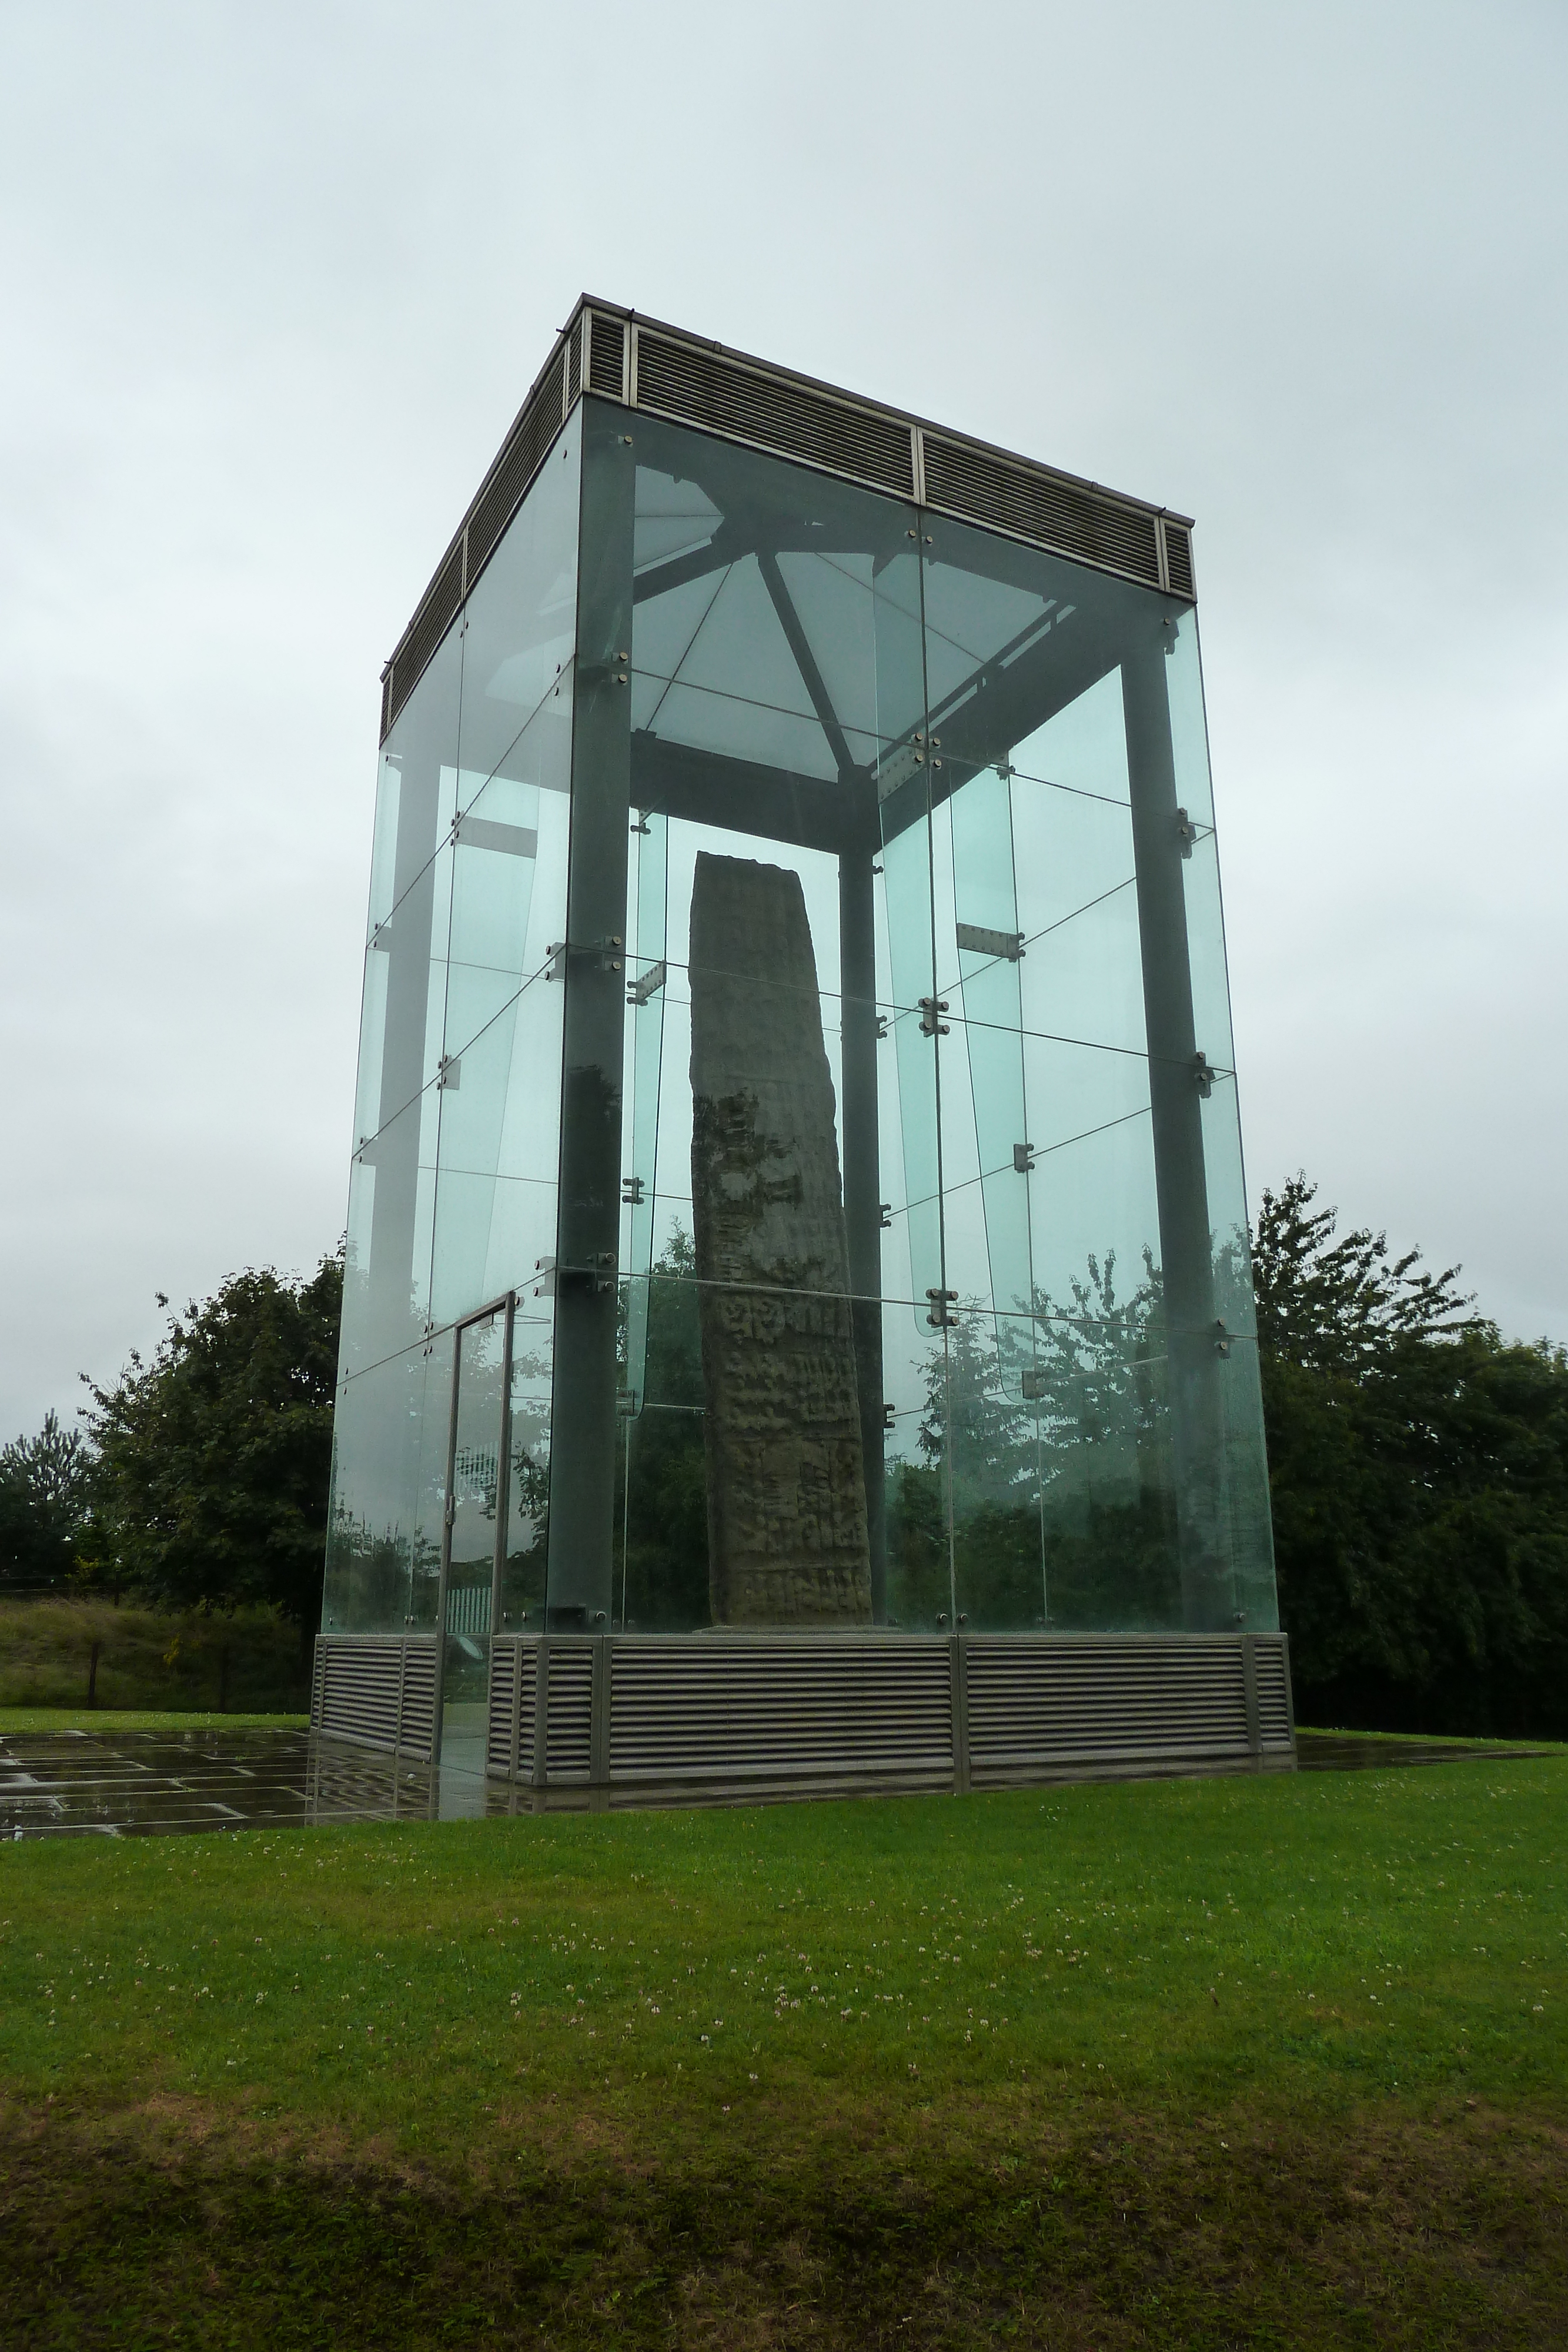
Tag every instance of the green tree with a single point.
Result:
(215, 1459)
(46, 1497)
(1418, 1479)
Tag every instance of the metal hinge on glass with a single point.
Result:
(1186, 831)
(1023, 1158)
(937, 1314)
(1222, 1339)
(632, 1190)
(638, 991)
(1203, 1075)
(930, 1006)
(978, 941)
(449, 1071)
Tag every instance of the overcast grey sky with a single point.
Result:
(276, 280)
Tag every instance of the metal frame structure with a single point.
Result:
(645, 364)
(584, 1716)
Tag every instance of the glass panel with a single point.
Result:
(1189, 731)
(495, 1197)
(994, 1470)
(661, 1508)
(648, 973)
(520, 623)
(1206, 953)
(412, 814)
(453, 1188)
(1090, 1463)
(383, 1551)
(527, 1483)
(392, 1208)
(1247, 1524)
(472, 1561)
(1093, 1383)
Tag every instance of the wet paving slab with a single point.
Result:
(111, 1783)
(133, 1783)
(1361, 1752)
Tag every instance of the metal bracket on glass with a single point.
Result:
(631, 1188)
(1023, 1158)
(930, 1006)
(544, 1277)
(449, 1071)
(640, 824)
(638, 991)
(978, 941)
(379, 937)
(598, 1271)
(889, 1417)
(628, 1404)
(881, 1026)
(1005, 769)
(607, 951)
(1033, 1384)
(1222, 1339)
(885, 1215)
(936, 1313)
(1186, 831)
(1203, 1075)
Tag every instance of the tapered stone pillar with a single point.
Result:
(788, 1543)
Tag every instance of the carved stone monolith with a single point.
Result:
(785, 1485)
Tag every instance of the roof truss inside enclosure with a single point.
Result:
(1010, 686)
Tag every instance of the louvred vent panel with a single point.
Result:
(607, 357)
(525, 448)
(425, 630)
(982, 488)
(1178, 559)
(700, 388)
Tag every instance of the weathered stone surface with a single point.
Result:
(787, 1514)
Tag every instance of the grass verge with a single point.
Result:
(1188, 2063)
(249, 1661)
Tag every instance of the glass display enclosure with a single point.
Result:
(798, 1174)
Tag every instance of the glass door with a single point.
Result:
(475, 1512)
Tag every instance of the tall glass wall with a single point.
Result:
(453, 1185)
(796, 1002)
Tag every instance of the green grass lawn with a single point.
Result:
(1263, 2062)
